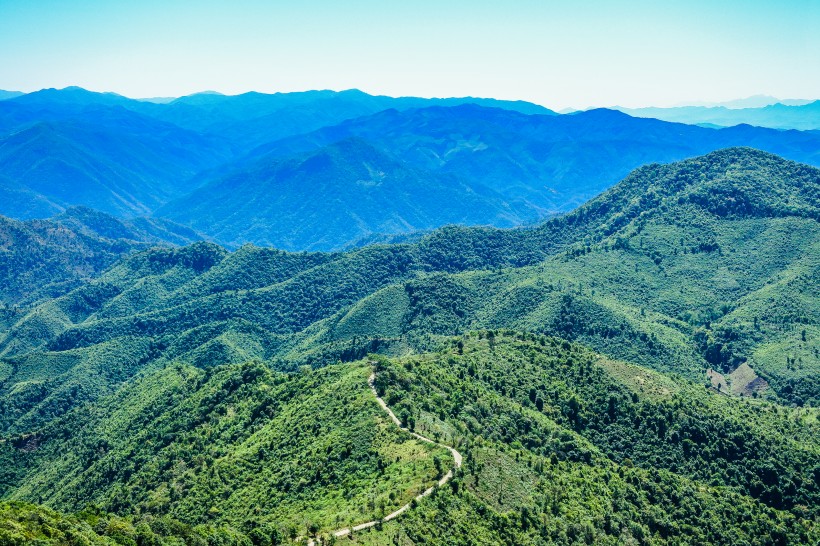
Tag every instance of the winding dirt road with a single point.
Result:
(447, 477)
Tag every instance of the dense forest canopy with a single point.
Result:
(642, 370)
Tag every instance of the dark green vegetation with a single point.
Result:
(561, 445)
(704, 263)
(178, 384)
(46, 258)
(564, 446)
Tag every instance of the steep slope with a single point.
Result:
(704, 263)
(333, 197)
(234, 445)
(46, 258)
(541, 424)
(73, 147)
(123, 171)
(149, 230)
(24, 202)
(559, 443)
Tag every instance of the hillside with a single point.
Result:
(560, 443)
(552, 163)
(333, 197)
(238, 441)
(704, 263)
(46, 258)
(127, 168)
(513, 162)
(542, 423)
(70, 147)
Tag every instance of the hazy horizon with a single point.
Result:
(561, 55)
(729, 104)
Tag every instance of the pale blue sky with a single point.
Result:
(556, 53)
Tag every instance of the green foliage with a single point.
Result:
(615, 454)
(667, 269)
(25, 524)
(41, 259)
(144, 391)
(238, 444)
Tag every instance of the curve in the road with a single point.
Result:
(393, 515)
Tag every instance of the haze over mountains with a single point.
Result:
(777, 116)
(178, 383)
(755, 101)
(265, 319)
(180, 159)
(698, 224)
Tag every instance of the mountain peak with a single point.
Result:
(72, 95)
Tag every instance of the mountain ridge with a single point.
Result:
(46, 258)
(334, 196)
(670, 224)
(194, 394)
(804, 116)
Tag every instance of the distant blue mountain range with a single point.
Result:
(803, 115)
(324, 169)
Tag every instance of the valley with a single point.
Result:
(380, 331)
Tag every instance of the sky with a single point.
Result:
(556, 53)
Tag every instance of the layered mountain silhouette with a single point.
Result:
(652, 354)
(777, 115)
(108, 158)
(479, 161)
(9, 94)
(538, 164)
(692, 231)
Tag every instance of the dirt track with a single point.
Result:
(446, 478)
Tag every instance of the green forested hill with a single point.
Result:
(560, 444)
(178, 384)
(705, 263)
(237, 444)
(563, 446)
(46, 258)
